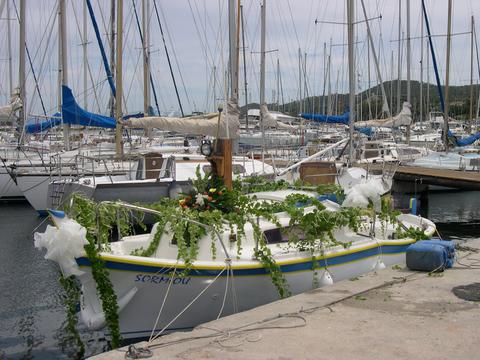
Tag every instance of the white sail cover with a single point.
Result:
(208, 124)
(271, 120)
(403, 118)
(7, 112)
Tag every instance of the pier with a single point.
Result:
(393, 314)
(462, 180)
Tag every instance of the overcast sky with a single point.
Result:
(196, 35)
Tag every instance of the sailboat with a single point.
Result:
(453, 159)
(185, 272)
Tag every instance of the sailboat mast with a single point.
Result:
(399, 60)
(447, 76)
(421, 71)
(146, 64)
(385, 106)
(278, 84)
(112, 53)
(300, 102)
(471, 71)
(409, 100)
(118, 81)
(63, 64)
(21, 64)
(84, 47)
(262, 75)
(351, 74)
(244, 68)
(233, 51)
(9, 49)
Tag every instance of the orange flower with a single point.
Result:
(209, 198)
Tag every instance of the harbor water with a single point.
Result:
(32, 315)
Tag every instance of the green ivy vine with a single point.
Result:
(70, 301)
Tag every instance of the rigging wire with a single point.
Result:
(168, 59)
(147, 58)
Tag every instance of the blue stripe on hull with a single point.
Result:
(300, 266)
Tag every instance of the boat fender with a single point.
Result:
(326, 279)
(413, 206)
(96, 320)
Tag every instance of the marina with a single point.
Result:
(200, 179)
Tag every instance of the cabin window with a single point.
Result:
(281, 235)
(236, 169)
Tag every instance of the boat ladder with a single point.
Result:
(58, 190)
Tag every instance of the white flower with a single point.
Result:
(200, 199)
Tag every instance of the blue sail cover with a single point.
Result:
(35, 126)
(336, 119)
(73, 114)
(330, 119)
(469, 140)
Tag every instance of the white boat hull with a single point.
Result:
(253, 287)
(8, 189)
(34, 188)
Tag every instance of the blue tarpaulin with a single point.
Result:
(38, 126)
(469, 140)
(336, 119)
(73, 114)
(330, 119)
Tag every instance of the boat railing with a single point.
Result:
(86, 165)
(121, 204)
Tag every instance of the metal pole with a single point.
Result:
(447, 76)
(324, 109)
(63, 64)
(146, 65)
(428, 83)
(244, 68)
(214, 87)
(300, 103)
(278, 84)
(421, 72)
(112, 54)
(9, 48)
(351, 75)
(232, 30)
(399, 61)
(118, 81)
(375, 59)
(471, 73)
(21, 64)
(84, 46)
(409, 100)
(391, 80)
(262, 76)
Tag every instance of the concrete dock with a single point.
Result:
(392, 314)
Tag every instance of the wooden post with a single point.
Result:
(221, 160)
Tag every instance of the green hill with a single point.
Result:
(459, 101)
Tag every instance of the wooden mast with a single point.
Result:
(221, 159)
